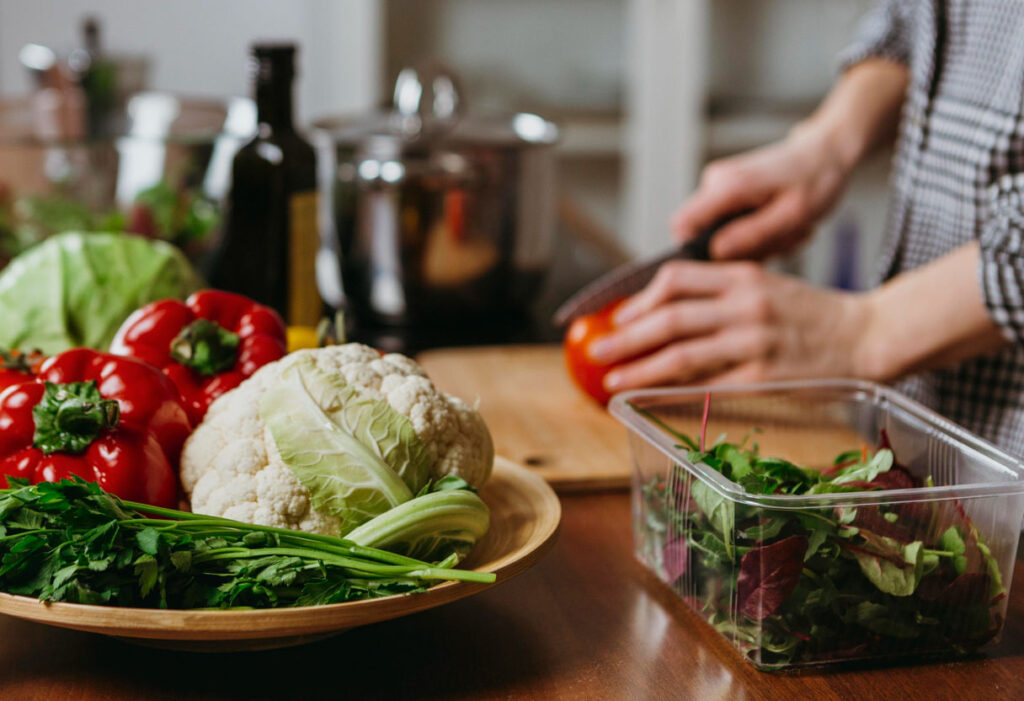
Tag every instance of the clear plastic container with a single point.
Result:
(915, 560)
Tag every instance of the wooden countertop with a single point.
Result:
(588, 622)
(537, 416)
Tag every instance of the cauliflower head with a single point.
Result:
(230, 465)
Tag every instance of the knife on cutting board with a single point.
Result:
(630, 278)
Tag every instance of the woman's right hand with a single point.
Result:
(788, 186)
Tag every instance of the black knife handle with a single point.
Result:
(699, 247)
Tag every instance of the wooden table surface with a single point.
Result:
(587, 622)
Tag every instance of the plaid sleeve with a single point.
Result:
(1002, 256)
(884, 32)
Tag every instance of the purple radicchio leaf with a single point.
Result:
(967, 589)
(869, 518)
(895, 478)
(674, 556)
(768, 575)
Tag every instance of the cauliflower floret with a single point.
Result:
(230, 465)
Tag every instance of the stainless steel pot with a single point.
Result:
(438, 218)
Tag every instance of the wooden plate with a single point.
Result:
(524, 519)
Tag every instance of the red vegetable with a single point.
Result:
(113, 420)
(585, 371)
(207, 344)
(768, 575)
(17, 367)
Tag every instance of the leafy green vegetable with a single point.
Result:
(801, 585)
(879, 619)
(75, 289)
(719, 510)
(32, 218)
(865, 472)
(357, 456)
(71, 541)
(893, 568)
(181, 216)
(428, 527)
(954, 542)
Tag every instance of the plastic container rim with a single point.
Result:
(620, 408)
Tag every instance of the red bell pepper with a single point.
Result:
(17, 367)
(207, 344)
(113, 420)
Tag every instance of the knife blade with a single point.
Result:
(630, 278)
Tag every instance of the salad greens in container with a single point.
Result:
(824, 521)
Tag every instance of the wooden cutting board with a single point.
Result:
(536, 415)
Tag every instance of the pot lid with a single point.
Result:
(429, 111)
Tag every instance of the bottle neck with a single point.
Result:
(274, 104)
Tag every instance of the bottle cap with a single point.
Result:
(273, 60)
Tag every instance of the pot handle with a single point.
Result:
(427, 100)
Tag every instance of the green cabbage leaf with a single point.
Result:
(75, 289)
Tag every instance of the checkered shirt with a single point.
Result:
(958, 175)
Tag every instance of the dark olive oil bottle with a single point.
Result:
(271, 238)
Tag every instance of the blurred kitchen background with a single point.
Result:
(643, 92)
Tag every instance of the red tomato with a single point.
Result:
(585, 371)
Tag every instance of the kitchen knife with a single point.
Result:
(630, 278)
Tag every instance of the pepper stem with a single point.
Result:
(70, 416)
(206, 347)
(21, 362)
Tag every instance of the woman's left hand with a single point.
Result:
(733, 323)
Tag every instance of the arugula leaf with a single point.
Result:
(818, 537)
(893, 568)
(770, 528)
(879, 619)
(738, 461)
(720, 511)
(996, 588)
(881, 462)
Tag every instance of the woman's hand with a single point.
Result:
(734, 323)
(789, 185)
(792, 183)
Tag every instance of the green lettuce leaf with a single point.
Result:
(75, 289)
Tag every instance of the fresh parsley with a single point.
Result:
(72, 541)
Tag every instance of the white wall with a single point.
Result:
(518, 54)
(199, 47)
